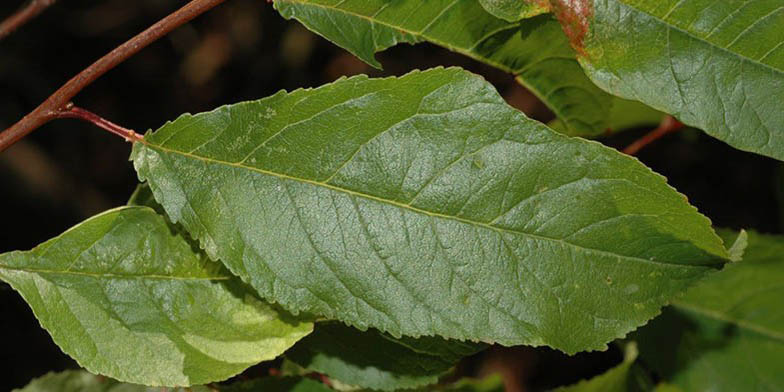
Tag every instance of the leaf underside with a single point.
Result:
(377, 361)
(424, 205)
(129, 298)
(715, 65)
(535, 50)
(726, 333)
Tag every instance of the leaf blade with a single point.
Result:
(534, 50)
(727, 332)
(121, 286)
(716, 67)
(373, 360)
(361, 177)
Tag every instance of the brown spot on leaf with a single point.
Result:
(575, 16)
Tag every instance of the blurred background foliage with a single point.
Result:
(242, 50)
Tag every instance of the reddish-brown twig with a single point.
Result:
(23, 15)
(668, 125)
(54, 105)
(72, 111)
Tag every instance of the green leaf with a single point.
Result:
(514, 10)
(488, 384)
(277, 384)
(375, 360)
(715, 65)
(425, 205)
(81, 381)
(727, 333)
(130, 299)
(626, 377)
(534, 50)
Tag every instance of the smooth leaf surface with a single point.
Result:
(726, 333)
(374, 360)
(715, 65)
(130, 299)
(535, 50)
(425, 205)
(81, 381)
(514, 10)
(625, 377)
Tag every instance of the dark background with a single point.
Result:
(68, 170)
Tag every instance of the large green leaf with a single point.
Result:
(425, 205)
(130, 299)
(715, 65)
(81, 381)
(514, 10)
(727, 333)
(535, 50)
(375, 360)
(625, 377)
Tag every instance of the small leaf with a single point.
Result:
(425, 205)
(130, 299)
(488, 384)
(626, 377)
(514, 10)
(81, 381)
(717, 66)
(375, 360)
(739, 246)
(726, 333)
(534, 50)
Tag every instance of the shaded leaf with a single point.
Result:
(130, 299)
(488, 384)
(534, 50)
(514, 10)
(81, 381)
(626, 377)
(424, 205)
(375, 360)
(715, 65)
(727, 333)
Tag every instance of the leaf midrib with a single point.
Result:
(112, 275)
(700, 39)
(720, 316)
(397, 204)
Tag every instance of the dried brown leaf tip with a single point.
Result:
(574, 16)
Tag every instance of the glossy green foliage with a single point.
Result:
(514, 10)
(715, 65)
(131, 299)
(535, 50)
(375, 360)
(726, 333)
(81, 381)
(626, 377)
(425, 205)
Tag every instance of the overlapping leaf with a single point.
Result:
(715, 65)
(129, 298)
(81, 381)
(377, 361)
(514, 10)
(625, 377)
(424, 205)
(535, 50)
(727, 333)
